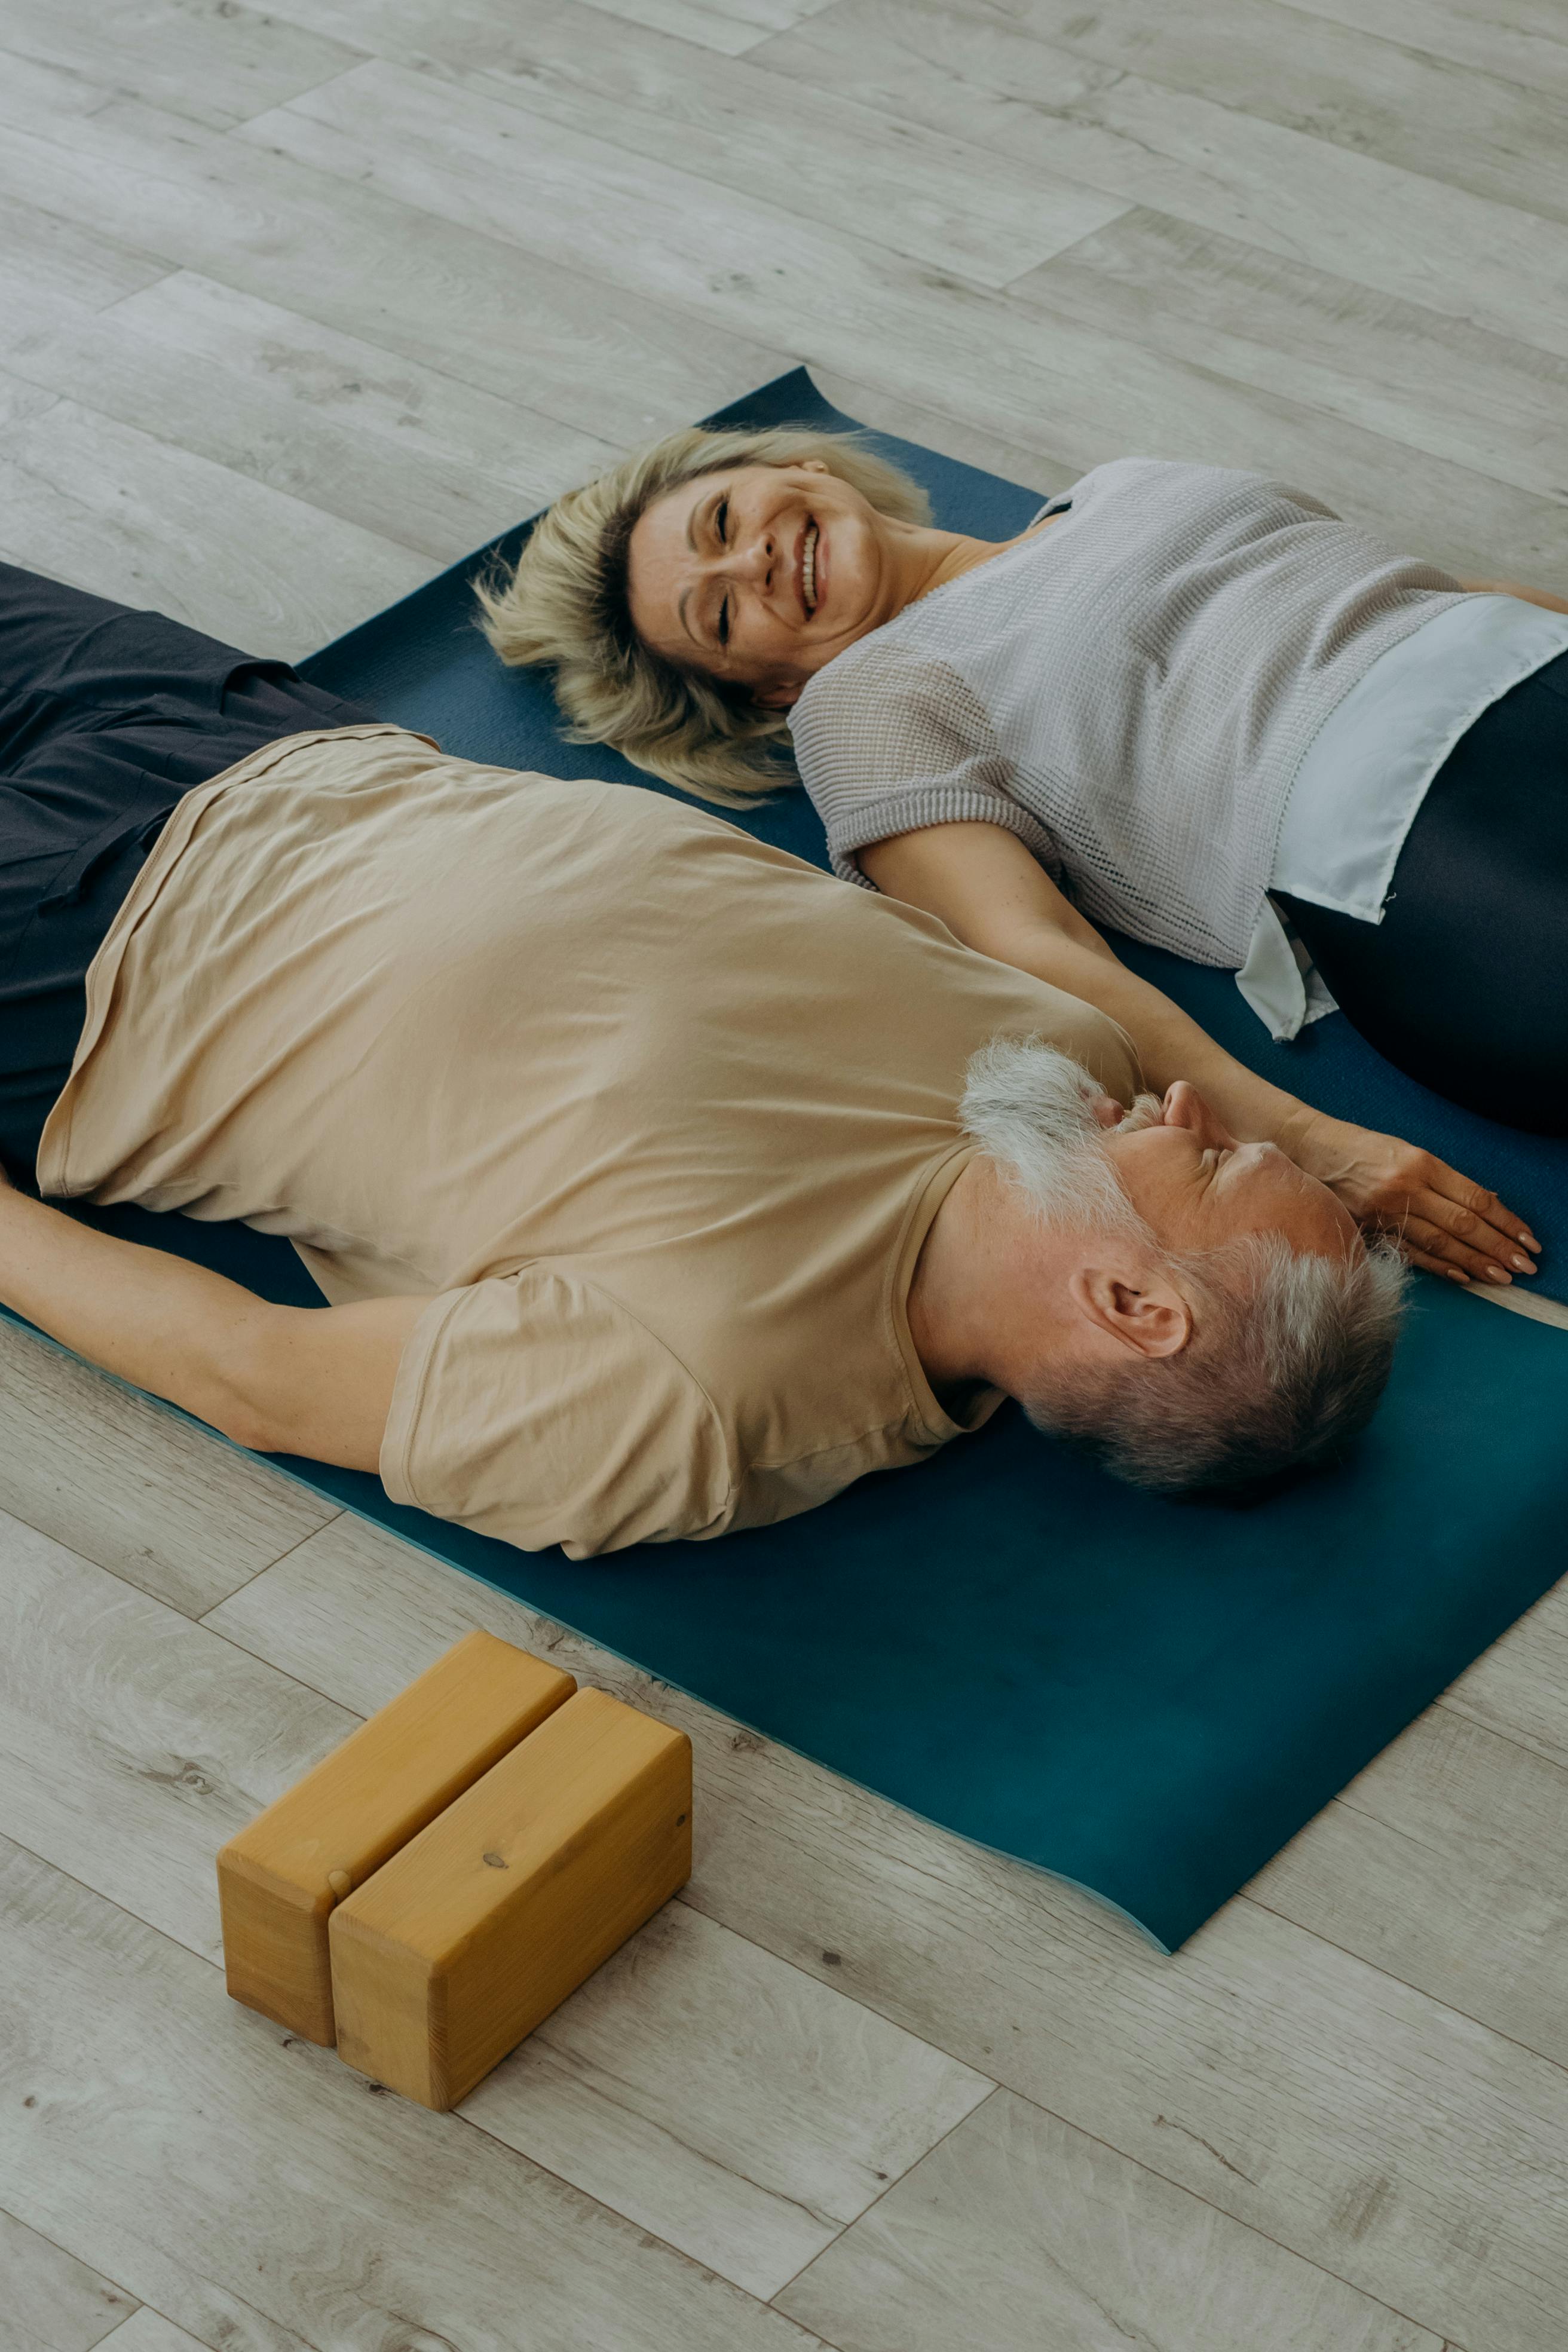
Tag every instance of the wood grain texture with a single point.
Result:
(99, 503)
(707, 2091)
(730, 2104)
(982, 79)
(1480, 400)
(922, 193)
(148, 2332)
(405, 1608)
(1520, 1686)
(1360, 2123)
(893, 412)
(502, 1906)
(397, 447)
(32, 84)
(50, 2300)
(279, 1878)
(259, 2195)
(915, 191)
(138, 1489)
(216, 60)
(1445, 1863)
(1304, 285)
(135, 1742)
(20, 401)
(364, 265)
(62, 267)
(1404, 2149)
(1082, 395)
(1521, 40)
(1019, 2233)
(729, 26)
(1334, 83)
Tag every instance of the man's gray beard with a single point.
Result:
(1033, 1110)
(1148, 1110)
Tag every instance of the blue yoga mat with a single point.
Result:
(1147, 1697)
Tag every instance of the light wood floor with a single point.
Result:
(296, 307)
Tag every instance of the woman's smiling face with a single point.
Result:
(761, 574)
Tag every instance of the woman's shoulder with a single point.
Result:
(1136, 472)
(882, 711)
(889, 667)
(1182, 480)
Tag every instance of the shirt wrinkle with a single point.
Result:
(583, 1047)
(1151, 670)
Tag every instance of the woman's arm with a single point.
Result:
(280, 1380)
(994, 895)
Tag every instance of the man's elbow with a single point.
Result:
(310, 1381)
(243, 1423)
(244, 1389)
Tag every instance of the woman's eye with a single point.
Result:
(724, 622)
(722, 520)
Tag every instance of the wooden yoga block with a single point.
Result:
(488, 1918)
(279, 1879)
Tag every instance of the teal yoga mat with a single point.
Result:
(1144, 1696)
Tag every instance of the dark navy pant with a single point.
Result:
(1464, 983)
(107, 717)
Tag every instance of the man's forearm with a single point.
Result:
(156, 1320)
(281, 1379)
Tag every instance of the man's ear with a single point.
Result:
(1148, 1315)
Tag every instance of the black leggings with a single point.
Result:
(107, 717)
(1464, 983)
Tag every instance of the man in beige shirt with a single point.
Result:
(659, 1184)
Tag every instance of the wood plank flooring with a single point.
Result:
(296, 304)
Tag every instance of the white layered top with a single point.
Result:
(1135, 692)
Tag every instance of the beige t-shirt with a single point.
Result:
(658, 1117)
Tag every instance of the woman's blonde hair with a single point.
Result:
(566, 605)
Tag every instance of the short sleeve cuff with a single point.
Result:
(407, 1400)
(907, 810)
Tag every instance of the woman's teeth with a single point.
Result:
(808, 567)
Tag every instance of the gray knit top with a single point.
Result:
(1130, 691)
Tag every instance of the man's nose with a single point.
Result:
(1185, 1107)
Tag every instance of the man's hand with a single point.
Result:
(1440, 1219)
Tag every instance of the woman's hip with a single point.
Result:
(1464, 983)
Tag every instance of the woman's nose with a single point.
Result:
(755, 557)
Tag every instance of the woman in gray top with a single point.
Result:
(1191, 698)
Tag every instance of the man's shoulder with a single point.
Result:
(537, 1406)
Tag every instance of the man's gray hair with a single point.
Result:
(1291, 1349)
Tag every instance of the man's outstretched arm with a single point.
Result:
(281, 1379)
